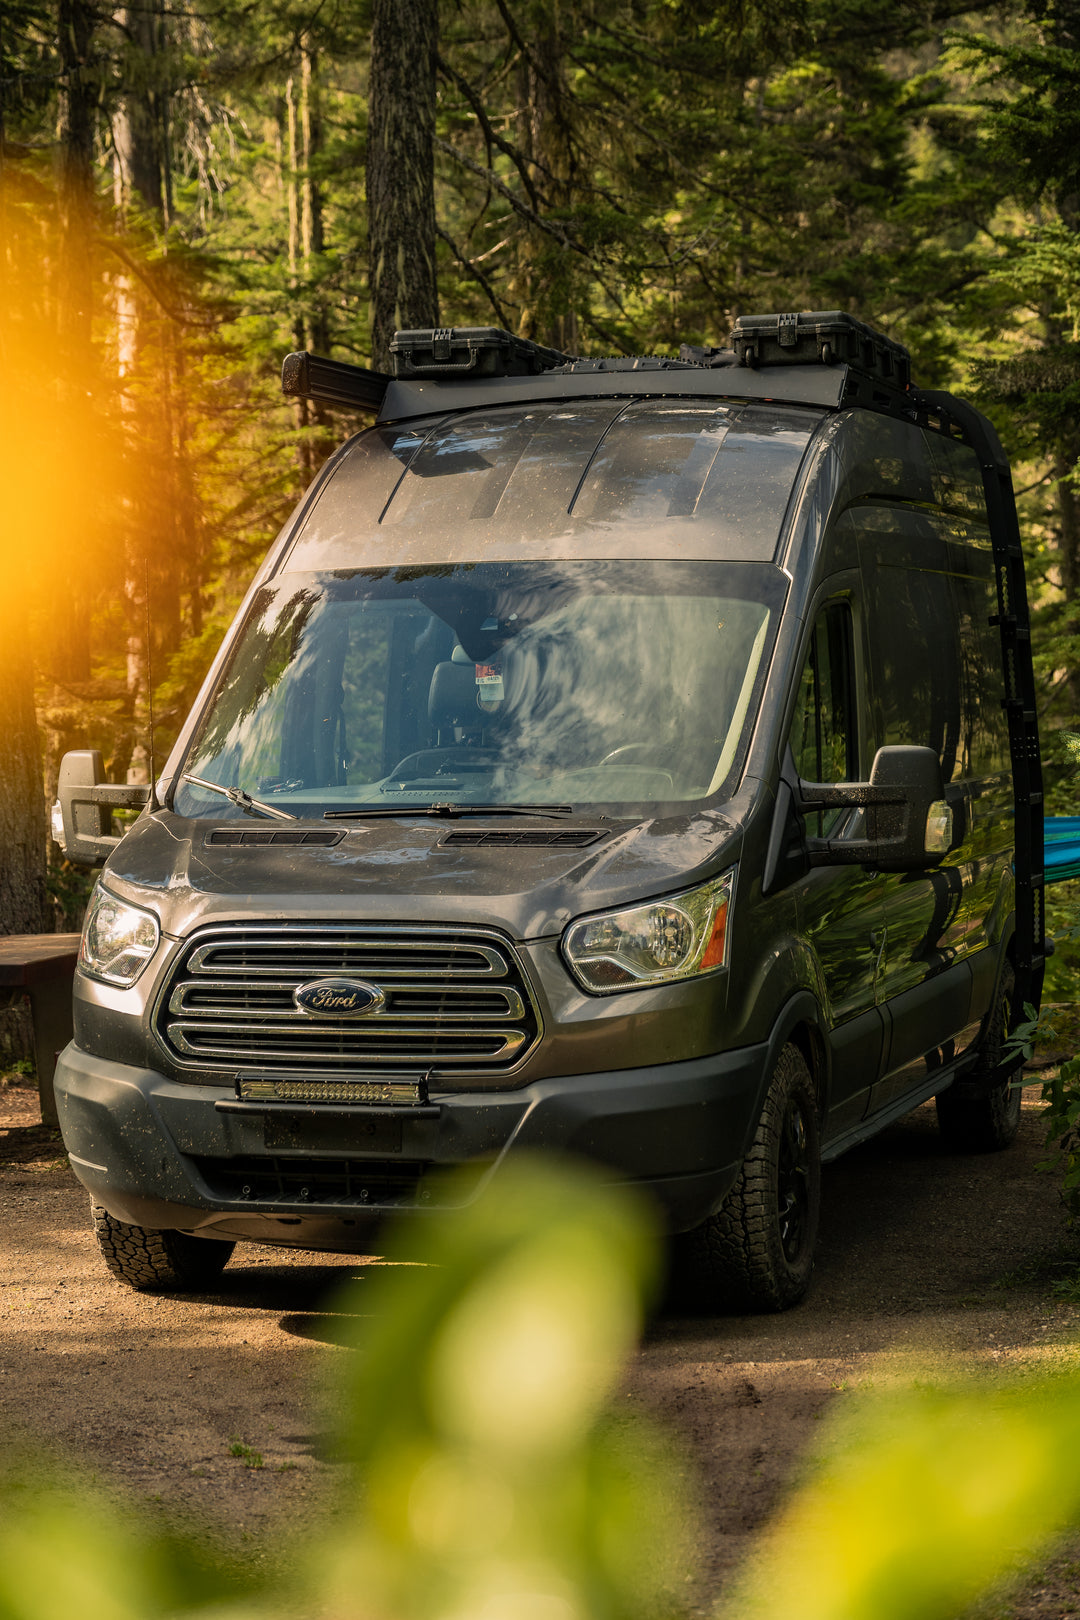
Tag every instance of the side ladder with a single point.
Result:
(1014, 626)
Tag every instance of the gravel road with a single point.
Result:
(922, 1254)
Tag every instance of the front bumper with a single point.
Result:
(158, 1154)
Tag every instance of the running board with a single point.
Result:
(940, 1080)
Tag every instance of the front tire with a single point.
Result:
(757, 1252)
(149, 1260)
(987, 1121)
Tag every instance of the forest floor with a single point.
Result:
(923, 1256)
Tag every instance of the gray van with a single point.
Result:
(632, 758)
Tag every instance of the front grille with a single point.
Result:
(456, 1001)
(313, 1182)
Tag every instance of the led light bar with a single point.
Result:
(335, 382)
(393, 1093)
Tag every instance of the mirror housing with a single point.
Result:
(908, 823)
(87, 802)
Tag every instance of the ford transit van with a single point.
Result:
(634, 759)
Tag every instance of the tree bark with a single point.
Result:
(139, 122)
(545, 278)
(158, 508)
(400, 171)
(311, 201)
(70, 657)
(75, 29)
(23, 902)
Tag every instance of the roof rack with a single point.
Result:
(878, 370)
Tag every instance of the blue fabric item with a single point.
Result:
(1061, 835)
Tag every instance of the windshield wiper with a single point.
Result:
(450, 810)
(242, 800)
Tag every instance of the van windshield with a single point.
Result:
(613, 685)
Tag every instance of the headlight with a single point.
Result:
(667, 939)
(118, 940)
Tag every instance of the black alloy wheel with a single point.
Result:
(757, 1252)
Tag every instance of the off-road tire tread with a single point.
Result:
(150, 1260)
(735, 1258)
(989, 1123)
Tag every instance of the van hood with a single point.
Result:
(417, 871)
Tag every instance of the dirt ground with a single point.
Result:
(949, 1258)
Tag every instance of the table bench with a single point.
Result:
(41, 968)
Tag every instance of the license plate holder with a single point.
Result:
(334, 1133)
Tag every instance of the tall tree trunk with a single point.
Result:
(75, 28)
(400, 170)
(303, 146)
(70, 653)
(147, 352)
(311, 205)
(139, 122)
(23, 906)
(292, 184)
(545, 280)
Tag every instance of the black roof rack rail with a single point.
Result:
(878, 370)
(335, 382)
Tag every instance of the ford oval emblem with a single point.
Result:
(339, 998)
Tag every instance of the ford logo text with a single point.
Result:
(339, 998)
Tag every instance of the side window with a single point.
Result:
(823, 732)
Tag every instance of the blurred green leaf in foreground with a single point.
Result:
(926, 1499)
(494, 1482)
(493, 1478)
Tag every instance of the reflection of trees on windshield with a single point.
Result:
(656, 676)
(489, 679)
(250, 684)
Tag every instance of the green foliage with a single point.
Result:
(925, 1499)
(247, 1454)
(69, 889)
(21, 1069)
(480, 1428)
(1062, 1097)
(490, 1474)
(65, 1551)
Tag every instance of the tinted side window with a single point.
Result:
(823, 736)
(984, 729)
(935, 658)
(913, 650)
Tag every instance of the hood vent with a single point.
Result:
(247, 836)
(558, 837)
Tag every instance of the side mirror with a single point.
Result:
(87, 802)
(908, 823)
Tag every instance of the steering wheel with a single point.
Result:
(627, 748)
(618, 756)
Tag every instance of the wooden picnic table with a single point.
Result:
(41, 967)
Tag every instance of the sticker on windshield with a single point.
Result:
(489, 685)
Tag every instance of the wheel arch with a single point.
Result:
(801, 1023)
